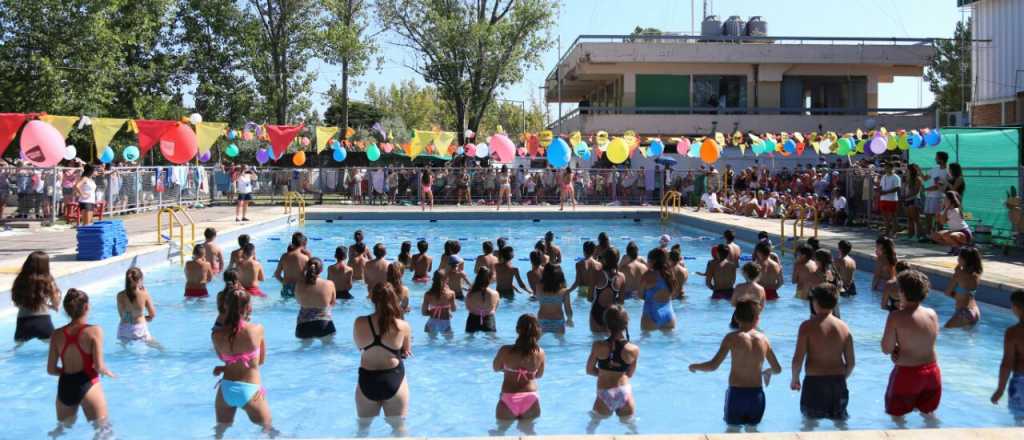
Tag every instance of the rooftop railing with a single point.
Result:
(791, 111)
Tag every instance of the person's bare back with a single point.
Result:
(250, 273)
(375, 271)
(828, 346)
(341, 275)
(421, 266)
(910, 334)
(289, 267)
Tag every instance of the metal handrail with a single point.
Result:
(172, 218)
(672, 200)
(293, 198)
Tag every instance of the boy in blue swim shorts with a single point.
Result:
(1011, 371)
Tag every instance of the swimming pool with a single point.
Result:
(453, 390)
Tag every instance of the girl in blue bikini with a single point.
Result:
(242, 347)
(555, 306)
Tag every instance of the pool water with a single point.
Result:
(170, 393)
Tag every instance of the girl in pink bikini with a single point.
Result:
(522, 364)
(242, 348)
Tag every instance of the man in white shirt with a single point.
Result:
(934, 188)
(889, 199)
(710, 201)
(838, 208)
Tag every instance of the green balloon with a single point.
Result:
(231, 150)
(372, 153)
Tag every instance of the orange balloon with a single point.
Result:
(299, 158)
(709, 151)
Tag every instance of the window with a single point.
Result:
(668, 93)
(824, 94)
(720, 92)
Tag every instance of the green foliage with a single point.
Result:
(511, 117)
(949, 74)
(469, 50)
(360, 114)
(349, 43)
(419, 108)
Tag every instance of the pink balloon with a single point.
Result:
(503, 147)
(469, 150)
(387, 147)
(41, 144)
(683, 147)
(179, 144)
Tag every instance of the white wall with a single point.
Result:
(995, 63)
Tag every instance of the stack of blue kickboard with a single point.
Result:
(102, 240)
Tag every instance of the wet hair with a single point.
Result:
(943, 156)
(901, 266)
(88, 170)
(762, 235)
(359, 249)
(210, 234)
(230, 283)
(506, 254)
(602, 240)
(528, 331)
(888, 248)
(1017, 299)
(549, 237)
(379, 251)
(482, 280)
(825, 295)
(394, 275)
(312, 270)
(845, 247)
(676, 254)
(387, 304)
(729, 236)
(814, 243)
(722, 251)
(751, 270)
(588, 248)
(456, 247)
(972, 260)
(132, 281)
(298, 239)
(340, 253)
(437, 283)
(502, 243)
(632, 250)
(243, 240)
(249, 249)
(914, 285)
(763, 248)
(610, 260)
(823, 258)
(75, 303)
(34, 284)
(552, 279)
(659, 263)
(403, 253)
(616, 319)
(747, 312)
(422, 246)
(805, 250)
(539, 246)
(953, 198)
(236, 309)
(536, 258)
(487, 247)
(358, 236)
(199, 250)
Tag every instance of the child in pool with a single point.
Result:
(749, 290)
(439, 305)
(966, 279)
(197, 274)
(1013, 361)
(891, 290)
(250, 271)
(847, 267)
(909, 339)
(340, 274)
(357, 261)
(236, 255)
(744, 400)
(505, 273)
(885, 262)
(214, 254)
(521, 363)
(422, 263)
(826, 344)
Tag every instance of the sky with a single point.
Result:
(819, 18)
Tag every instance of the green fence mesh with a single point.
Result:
(990, 158)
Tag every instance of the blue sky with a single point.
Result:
(840, 18)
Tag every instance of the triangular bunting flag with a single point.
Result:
(150, 132)
(324, 135)
(103, 131)
(281, 136)
(207, 133)
(10, 123)
(63, 124)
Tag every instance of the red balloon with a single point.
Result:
(179, 144)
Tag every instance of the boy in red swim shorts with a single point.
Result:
(909, 338)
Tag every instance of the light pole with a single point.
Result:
(521, 103)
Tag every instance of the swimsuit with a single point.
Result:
(519, 403)
(584, 291)
(196, 292)
(381, 385)
(436, 324)
(255, 291)
(314, 322)
(771, 294)
(287, 290)
(918, 387)
(722, 293)
(824, 397)
(36, 326)
(968, 314)
(343, 294)
(659, 313)
(597, 310)
(744, 405)
(72, 387)
(132, 331)
(480, 320)
(1016, 395)
(851, 289)
(508, 293)
(616, 397)
(551, 325)
(237, 393)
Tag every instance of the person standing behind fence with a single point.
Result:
(912, 200)
(889, 199)
(85, 192)
(935, 187)
(244, 186)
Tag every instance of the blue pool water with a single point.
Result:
(170, 394)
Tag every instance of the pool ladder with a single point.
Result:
(294, 199)
(176, 215)
(801, 219)
(670, 202)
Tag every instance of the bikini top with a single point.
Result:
(614, 361)
(241, 358)
(522, 374)
(549, 299)
(484, 311)
(87, 362)
(376, 340)
(437, 310)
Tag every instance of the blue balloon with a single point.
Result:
(340, 154)
(933, 137)
(559, 153)
(131, 153)
(108, 155)
(656, 148)
(232, 135)
(585, 155)
(915, 140)
(789, 146)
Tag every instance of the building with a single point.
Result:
(738, 79)
(997, 61)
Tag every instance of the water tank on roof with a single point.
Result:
(734, 27)
(757, 27)
(711, 26)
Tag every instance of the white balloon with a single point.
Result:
(195, 119)
(481, 145)
(469, 134)
(482, 151)
(825, 146)
(70, 152)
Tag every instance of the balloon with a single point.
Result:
(246, 135)
(933, 138)
(334, 144)
(299, 158)
(769, 146)
(825, 147)
(483, 152)
(205, 156)
(42, 145)
(559, 153)
(890, 142)
(231, 150)
(262, 156)
(195, 118)
(758, 148)
(470, 150)
(878, 145)
(304, 141)
(709, 151)
(131, 153)
(860, 146)
(232, 134)
(915, 140)
(580, 147)
(586, 154)
(844, 147)
(618, 152)
(108, 155)
(372, 153)
(387, 147)
(602, 140)
(656, 148)
(503, 147)
(683, 146)
(70, 153)
(789, 146)
(178, 145)
(575, 138)
(339, 154)
(545, 137)
(521, 151)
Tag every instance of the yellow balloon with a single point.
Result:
(575, 138)
(618, 152)
(890, 142)
(545, 137)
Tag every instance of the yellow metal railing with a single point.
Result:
(176, 215)
(294, 199)
(801, 219)
(670, 202)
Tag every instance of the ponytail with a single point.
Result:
(528, 329)
(482, 280)
(437, 283)
(660, 264)
(236, 310)
(385, 302)
(132, 282)
(313, 268)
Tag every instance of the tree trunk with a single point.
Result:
(344, 93)
(460, 123)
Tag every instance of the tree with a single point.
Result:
(949, 73)
(471, 49)
(282, 50)
(419, 108)
(360, 114)
(640, 32)
(511, 117)
(348, 43)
